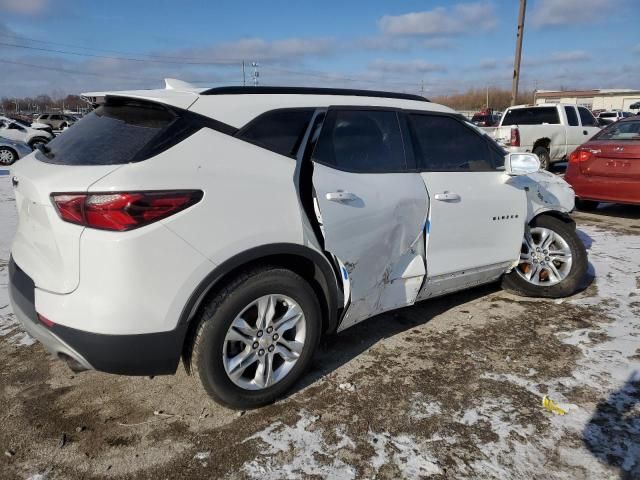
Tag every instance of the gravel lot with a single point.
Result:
(450, 388)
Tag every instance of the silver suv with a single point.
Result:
(57, 121)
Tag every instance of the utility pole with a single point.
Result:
(516, 62)
(256, 73)
(487, 97)
(244, 77)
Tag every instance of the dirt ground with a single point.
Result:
(449, 388)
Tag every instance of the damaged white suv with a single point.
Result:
(233, 227)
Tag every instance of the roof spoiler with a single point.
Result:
(98, 98)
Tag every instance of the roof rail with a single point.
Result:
(310, 91)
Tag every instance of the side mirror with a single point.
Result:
(521, 163)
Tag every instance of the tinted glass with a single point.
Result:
(608, 115)
(628, 130)
(445, 144)
(110, 135)
(572, 117)
(531, 116)
(280, 131)
(361, 141)
(587, 119)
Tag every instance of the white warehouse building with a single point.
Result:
(600, 99)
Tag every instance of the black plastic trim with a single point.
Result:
(310, 91)
(22, 290)
(142, 354)
(332, 293)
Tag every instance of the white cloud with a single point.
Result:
(488, 64)
(565, 12)
(412, 66)
(636, 49)
(441, 21)
(23, 7)
(561, 57)
(259, 49)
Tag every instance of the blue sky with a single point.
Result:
(67, 46)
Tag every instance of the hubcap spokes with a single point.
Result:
(264, 342)
(6, 157)
(545, 257)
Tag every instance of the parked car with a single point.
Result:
(485, 120)
(12, 130)
(607, 167)
(294, 213)
(29, 124)
(551, 131)
(10, 151)
(56, 121)
(607, 118)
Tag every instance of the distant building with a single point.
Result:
(601, 99)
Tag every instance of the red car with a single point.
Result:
(607, 167)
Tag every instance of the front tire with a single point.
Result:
(256, 337)
(553, 261)
(37, 141)
(7, 156)
(544, 156)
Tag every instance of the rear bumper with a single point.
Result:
(139, 354)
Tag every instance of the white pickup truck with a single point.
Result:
(551, 131)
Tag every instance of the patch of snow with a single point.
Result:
(406, 452)
(9, 326)
(305, 441)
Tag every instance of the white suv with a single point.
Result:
(233, 227)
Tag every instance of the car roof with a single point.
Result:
(236, 106)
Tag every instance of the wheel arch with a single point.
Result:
(310, 264)
(542, 142)
(560, 215)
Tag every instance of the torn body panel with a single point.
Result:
(545, 192)
(376, 232)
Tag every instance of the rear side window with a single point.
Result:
(363, 141)
(280, 130)
(572, 117)
(443, 143)
(588, 120)
(531, 116)
(110, 135)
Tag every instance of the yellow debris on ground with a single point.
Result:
(552, 406)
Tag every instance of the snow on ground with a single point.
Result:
(8, 220)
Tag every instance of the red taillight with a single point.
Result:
(514, 141)
(580, 156)
(122, 210)
(45, 321)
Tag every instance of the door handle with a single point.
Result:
(447, 197)
(340, 196)
(584, 132)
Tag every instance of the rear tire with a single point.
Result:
(543, 155)
(556, 265)
(228, 331)
(7, 156)
(37, 141)
(586, 205)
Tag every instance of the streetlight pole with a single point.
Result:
(516, 62)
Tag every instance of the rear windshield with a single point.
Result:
(114, 133)
(608, 115)
(531, 116)
(628, 130)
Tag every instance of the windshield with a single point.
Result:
(608, 115)
(628, 130)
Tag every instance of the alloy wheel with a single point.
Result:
(7, 157)
(545, 257)
(264, 342)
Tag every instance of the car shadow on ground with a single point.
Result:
(337, 350)
(613, 433)
(631, 212)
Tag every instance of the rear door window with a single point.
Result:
(531, 116)
(280, 130)
(362, 141)
(587, 119)
(110, 135)
(572, 117)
